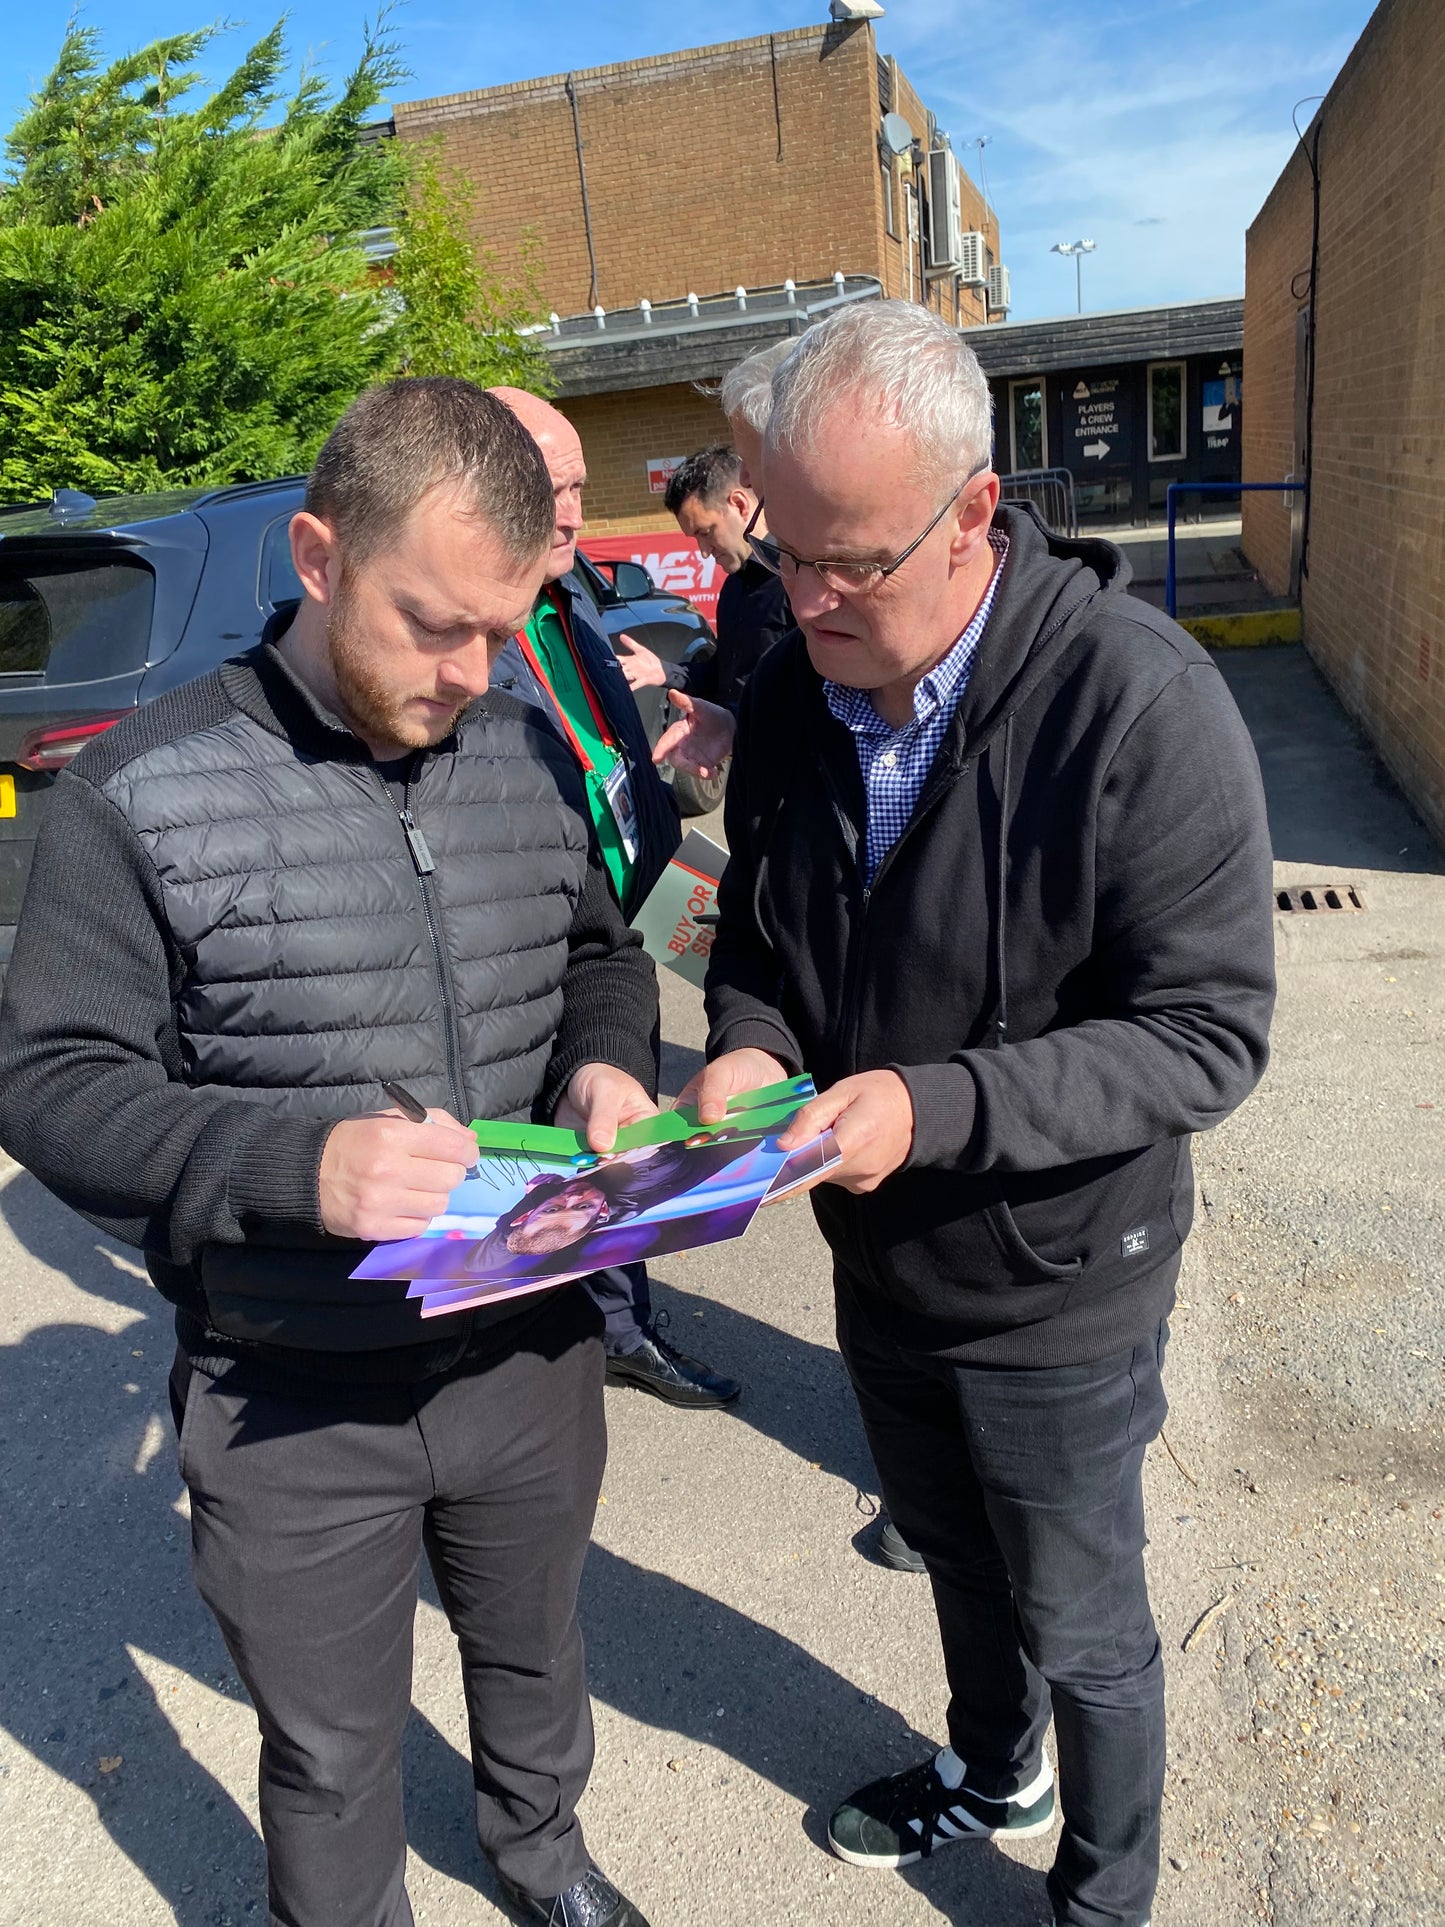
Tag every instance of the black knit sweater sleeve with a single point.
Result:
(698, 679)
(90, 1097)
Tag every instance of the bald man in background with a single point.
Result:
(563, 662)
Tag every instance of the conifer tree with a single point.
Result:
(184, 294)
(458, 315)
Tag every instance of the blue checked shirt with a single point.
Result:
(895, 762)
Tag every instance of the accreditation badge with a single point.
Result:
(617, 789)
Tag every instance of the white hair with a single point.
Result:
(896, 362)
(747, 390)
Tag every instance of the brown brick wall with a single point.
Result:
(687, 188)
(1277, 258)
(620, 433)
(699, 177)
(1374, 596)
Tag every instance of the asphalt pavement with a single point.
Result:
(749, 1662)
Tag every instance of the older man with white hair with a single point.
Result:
(1000, 878)
(746, 397)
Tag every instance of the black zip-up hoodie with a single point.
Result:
(1068, 957)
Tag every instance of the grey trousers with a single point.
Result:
(308, 1519)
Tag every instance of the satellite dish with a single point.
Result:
(897, 134)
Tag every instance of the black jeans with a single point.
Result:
(1022, 1490)
(624, 1297)
(308, 1519)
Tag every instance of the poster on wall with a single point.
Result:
(673, 560)
(660, 471)
(1098, 423)
(1222, 394)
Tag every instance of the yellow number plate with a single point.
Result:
(7, 796)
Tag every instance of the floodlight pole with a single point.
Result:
(1078, 249)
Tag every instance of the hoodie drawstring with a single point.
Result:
(1001, 923)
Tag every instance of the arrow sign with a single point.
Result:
(1098, 450)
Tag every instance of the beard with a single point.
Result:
(374, 707)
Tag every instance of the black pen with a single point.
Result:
(409, 1106)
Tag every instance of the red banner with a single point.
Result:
(673, 560)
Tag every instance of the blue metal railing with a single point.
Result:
(1213, 488)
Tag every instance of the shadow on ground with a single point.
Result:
(795, 1393)
(787, 1717)
(679, 1063)
(97, 1563)
(1331, 801)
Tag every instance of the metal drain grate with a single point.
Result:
(1319, 896)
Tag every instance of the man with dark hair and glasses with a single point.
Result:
(716, 507)
(1000, 877)
(700, 740)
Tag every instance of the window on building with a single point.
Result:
(1166, 411)
(890, 208)
(1028, 434)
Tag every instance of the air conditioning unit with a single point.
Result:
(945, 213)
(998, 290)
(973, 259)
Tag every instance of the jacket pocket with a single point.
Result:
(1181, 1198)
(939, 1251)
(1025, 1265)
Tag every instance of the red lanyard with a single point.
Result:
(534, 663)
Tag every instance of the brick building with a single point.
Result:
(1344, 334)
(799, 167)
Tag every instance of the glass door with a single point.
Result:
(1028, 436)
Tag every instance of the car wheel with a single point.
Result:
(698, 795)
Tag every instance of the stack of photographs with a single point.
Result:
(541, 1207)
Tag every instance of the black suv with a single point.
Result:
(105, 605)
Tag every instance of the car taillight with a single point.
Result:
(52, 747)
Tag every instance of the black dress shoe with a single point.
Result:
(593, 1902)
(893, 1550)
(659, 1368)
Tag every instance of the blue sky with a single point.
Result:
(1152, 127)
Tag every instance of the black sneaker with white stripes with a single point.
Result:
(894, 1822)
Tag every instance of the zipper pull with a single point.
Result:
(421, 855)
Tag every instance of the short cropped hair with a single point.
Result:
(747, 390)
(898, 363)
(398, 441)
(708, 475)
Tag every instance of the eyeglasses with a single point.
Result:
(848, 578)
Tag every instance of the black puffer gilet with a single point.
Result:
(328, 935)
(325, 946)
